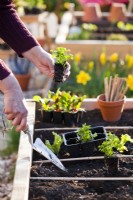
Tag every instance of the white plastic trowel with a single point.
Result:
(41, 148)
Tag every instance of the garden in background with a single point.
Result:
(87, 76)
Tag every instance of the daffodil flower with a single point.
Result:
(77, 57)
(130, 62)
(103, 58)
(83, 77)
(90, 65)
(114, 57)
(130, 81)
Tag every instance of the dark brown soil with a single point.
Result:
(92, 118)
(76, 190)
(88, 190)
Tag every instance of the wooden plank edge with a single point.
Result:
(20, 189)
(83, 178)
(91, 104)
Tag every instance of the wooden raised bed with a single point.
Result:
(24, 161)
(88, 48)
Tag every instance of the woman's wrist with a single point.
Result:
(33, 54)
(41, 59)
(10, 84)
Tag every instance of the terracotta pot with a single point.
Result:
(117, 12)
(41, 41)
(111, 111)
(23, 80)
(92, 12)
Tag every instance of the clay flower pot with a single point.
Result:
(112, 110)
(117, 12)
(92, 12)
(23, 80)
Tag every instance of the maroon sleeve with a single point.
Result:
(13, 30)
(4, 71)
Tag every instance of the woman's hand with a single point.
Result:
(44, 61)
(41, 59)
(14, 103)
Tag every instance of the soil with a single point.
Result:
(93, 118)
(60, 72)
(85, 189)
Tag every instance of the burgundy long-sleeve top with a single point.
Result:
(14, 33)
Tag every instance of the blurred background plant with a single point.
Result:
(50, 6)
(87, 76)
(82, 32)
(12, 139)
(120, 37)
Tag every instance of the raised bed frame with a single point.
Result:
(88, 48)
(24, 160)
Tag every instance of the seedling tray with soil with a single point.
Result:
(87, 177)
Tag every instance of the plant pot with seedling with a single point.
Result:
(80, 142)
(63, 107)
(38, 100)
(70, 106)
(61, 56)
(45, 108)
(111, 103)
(101, 135)
(86, 138)
(111, 148)
(73, 112)
(72, 144)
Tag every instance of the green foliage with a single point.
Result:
(12, 142)
(84, 32)
(114, 144)
(55, 147)
(61, 101)
(116, 36)
(51, 6)
(85, 133)
(97, 67)
(125, 26)
(44, 102)
(37, 99)
(61, 55)
(66, 102)
(54, 4)
(30, 3)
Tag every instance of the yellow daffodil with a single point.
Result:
(77, 57)
(127, 57)
(130, 81)
(103, 58)
(130, 62)
(114, 57)
(90, 65)
(67, 5)
(83, 77)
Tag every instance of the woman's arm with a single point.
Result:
(17, 36)
(4, 71)
(13, 30)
